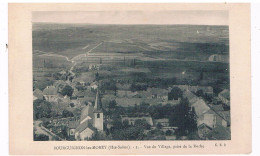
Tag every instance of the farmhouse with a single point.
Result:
(211, 121)
(158, 93)
(71, 128)
(59, 85)
(50, 93)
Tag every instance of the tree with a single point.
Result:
(159, 126)
(42, 84)
(97, 78)
(200, 93)
(41, 108)
(184, 118)
(67, 90)
(142, 124)
(112, 104)
(175, 93)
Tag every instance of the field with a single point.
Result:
(170, 41)
(159, 51)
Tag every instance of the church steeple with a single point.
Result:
(98, 113)
(98, 103)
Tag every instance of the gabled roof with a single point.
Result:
(200, 107)
(225, 115)
(87, 111)
(220, 133)
(98, 103)
(190, 96)
(85, 125)
(217, 108)
(204, 125)
(59, 83)
(73, 124)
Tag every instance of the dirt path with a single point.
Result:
(74, 59)
(42, 130)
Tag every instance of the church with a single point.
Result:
(91, 120)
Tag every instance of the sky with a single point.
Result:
(219, 17)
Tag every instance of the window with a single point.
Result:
(215, 58)
(98, 115)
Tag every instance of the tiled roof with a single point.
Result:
(73, 124)
(85, 125)
(220, 133)
(200, 107)
(87, 111)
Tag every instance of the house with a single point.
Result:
(133, 118)
(94, 66)
(94, 85)
(224, 96)
(75, 101)
(37, 94)
(91, 120)
(71, 128)
(211, 121)
(84, 79)
(158, 93)
(204, 130)
(226, 116)
(63, 72)
(164, 122)
(219, 133)
(206, 89)
(192, 98)
(217, 108)
(50, 93)
(59, 84)
(200, 107)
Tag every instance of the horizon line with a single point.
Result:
(125, 24)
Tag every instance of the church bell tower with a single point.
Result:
(98, 113)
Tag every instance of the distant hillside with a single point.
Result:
(162, 41)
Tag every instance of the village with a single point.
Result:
(88, 102)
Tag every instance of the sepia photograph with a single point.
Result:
(129, 79)
(163, 75)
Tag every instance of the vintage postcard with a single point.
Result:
(129, 78)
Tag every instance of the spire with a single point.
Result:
(98, 104)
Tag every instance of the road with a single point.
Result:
(74, 59)
(42, 130)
